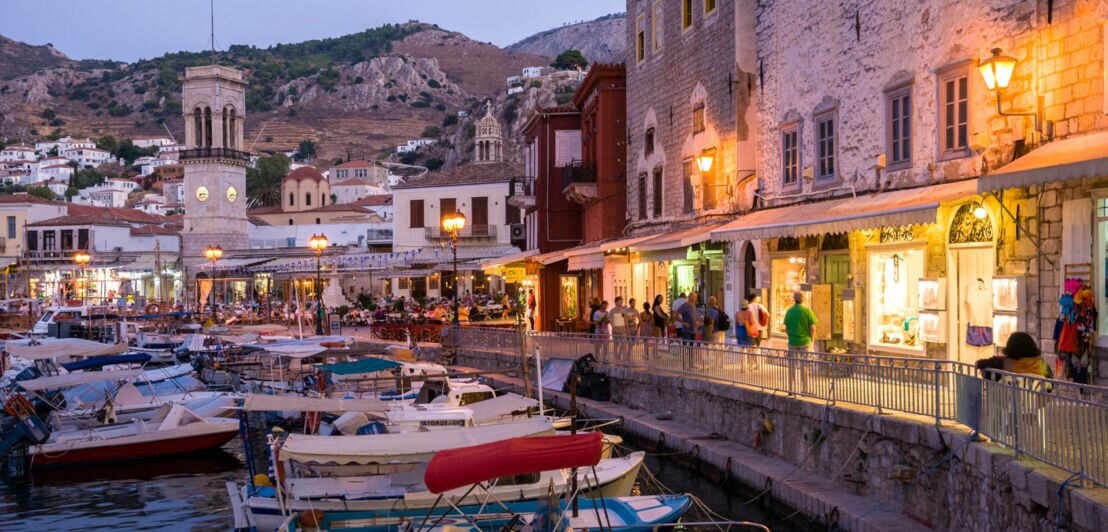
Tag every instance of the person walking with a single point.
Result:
(532, 305)
(691, 321)
(799, 321)
(759, 317)
(661, 318)
(618, 320)
(720, 322)
(744, 329)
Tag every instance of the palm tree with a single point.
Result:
(263, 181)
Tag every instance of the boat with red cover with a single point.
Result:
(173, 431)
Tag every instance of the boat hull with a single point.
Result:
(138, 450)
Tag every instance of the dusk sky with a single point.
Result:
(128, 30)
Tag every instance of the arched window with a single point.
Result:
(317, 221)
(198, 127)
(290, 221)
(307, 199)
(292, 199)
(322, 199)
(232, 140)
(225, 124)
(208, 127)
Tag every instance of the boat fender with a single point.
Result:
(312, 518)
(262, 480)
(152, 308)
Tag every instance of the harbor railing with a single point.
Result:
(1060, 423)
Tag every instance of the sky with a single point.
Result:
(128, 30)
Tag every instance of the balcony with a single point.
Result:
(377, 236)
(521, 192)
(213, 153)
(471, 232)
(579, 181)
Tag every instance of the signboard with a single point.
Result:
(821, 306)
(515, 274)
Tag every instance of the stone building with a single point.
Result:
(920, 210)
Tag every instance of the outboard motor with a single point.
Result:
(106, 414)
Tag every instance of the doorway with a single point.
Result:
(970, 300)
(836, 271)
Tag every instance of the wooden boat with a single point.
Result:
(175, 430)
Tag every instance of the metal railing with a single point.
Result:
(209, 153)
(470, 231)
(521, 186)
(1060, 423)
(578, 172)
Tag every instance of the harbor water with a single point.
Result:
(190, 493)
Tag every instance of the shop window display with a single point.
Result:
(568, 304)
(893, 294)
(788, 274)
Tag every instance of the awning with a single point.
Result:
(550, 258)
(408, 274)
(67, 380)
(508, 259)
(365, 365)
(591, 256)
(7, 261)
(454, 468)
(1073, 158)
(677, 240)
(224, 264)
(896, 207)
(282, 403)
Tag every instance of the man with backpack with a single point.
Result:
(721, 322)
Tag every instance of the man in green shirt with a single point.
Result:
(799, 321)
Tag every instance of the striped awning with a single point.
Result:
(1062, 160)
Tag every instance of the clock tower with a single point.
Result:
(214, 104)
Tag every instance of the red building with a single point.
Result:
(598, 181)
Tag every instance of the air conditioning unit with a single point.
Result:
(518, 235)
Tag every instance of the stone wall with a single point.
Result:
(932, 474)
(843, 56)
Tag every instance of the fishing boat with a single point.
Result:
(175, 430)
(483, 466)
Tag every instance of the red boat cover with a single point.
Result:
(454, 468)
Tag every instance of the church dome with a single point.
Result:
(306, 173)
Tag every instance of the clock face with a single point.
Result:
(232, 194)
(202, 193)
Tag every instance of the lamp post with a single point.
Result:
(318, 243)
(453, 223)
(213, 253)
(82, 258)
(997, 70)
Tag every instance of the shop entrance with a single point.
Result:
(836, 270)
(971, 302)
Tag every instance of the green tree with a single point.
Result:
(42, 192)
(569, 60)
(431, 132)
(86, 177)
(450, 120)
(108, 143)
(263, 181)
(49, 114)
(306, 150)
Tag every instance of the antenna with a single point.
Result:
(211, 6)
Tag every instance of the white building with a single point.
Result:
(53, 172)
(150, 164)
(17, 152)
(85, 156)
(174, 191)
(413, 145)
(354, 189)
(146, 142)
(55, 186)
(531, 72)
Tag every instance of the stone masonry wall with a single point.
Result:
(843, 55)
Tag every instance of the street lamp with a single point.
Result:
(318, 243)
(997, 73)
(213, 253)
(82, 258)
(454, 222)
(704, 160)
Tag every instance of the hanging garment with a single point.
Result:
(979, 336)
(1067, 340)
(978, 304)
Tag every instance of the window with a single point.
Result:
(447, 206)
(688, 169)
(642, 196)
(32, 240)
(698, 118)
(481, 216)
(317, 221)
(82, 239)
(790, 155)
(67, 239)
(648, 141)
(48, 238)
(656, 26)
(640, 38)
(11, 227)
(954, 112)
(657, 191)
(290, 221)
(511, 214)
(898, 124)
(416, 214)
(709, 7)
(686, 14)
(322, 200)
(825, 147)
(307, 199)
(292, 199)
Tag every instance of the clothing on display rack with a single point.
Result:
(1075, 329)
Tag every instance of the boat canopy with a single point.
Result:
(58, 347)
(281, 403)
(392, 448)
(101, 361)
(298, 348)
(66, 380)
(365, 365)
(454, 468)
(506, 405)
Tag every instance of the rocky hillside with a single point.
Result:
(357, 95)
(600, 41)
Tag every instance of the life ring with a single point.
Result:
(152, 309)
